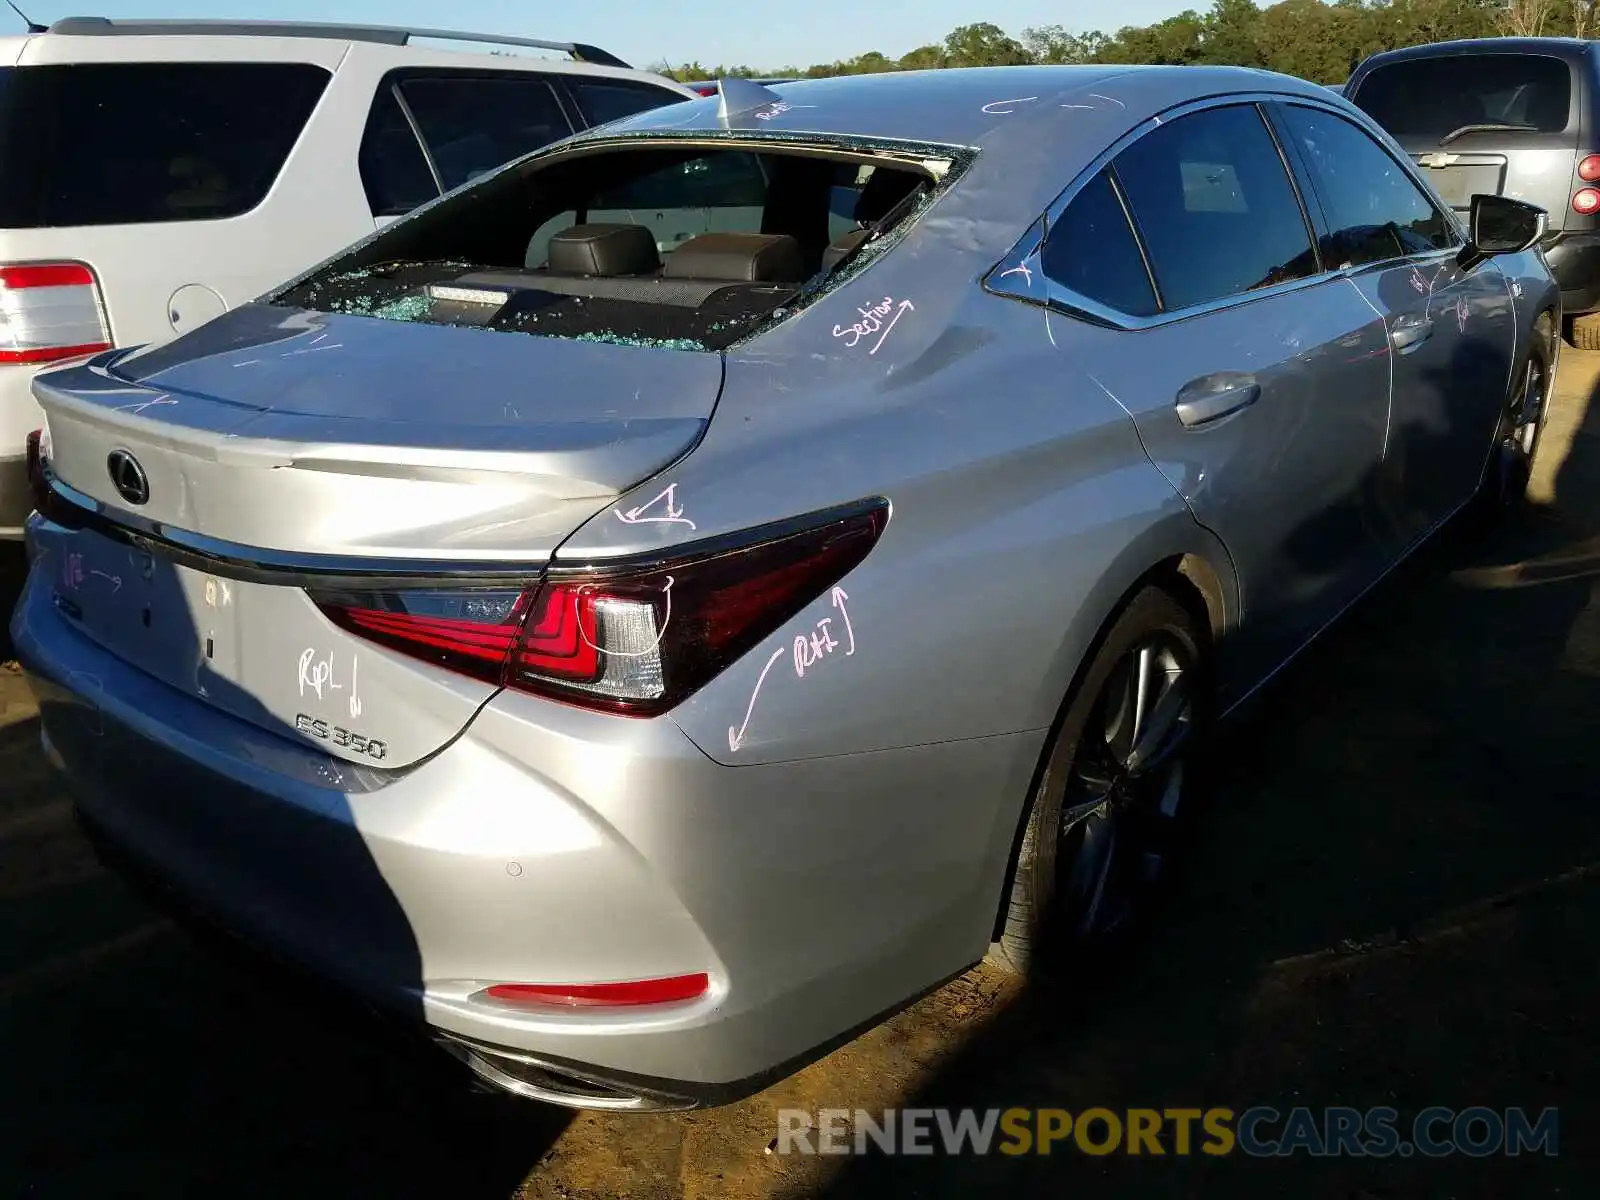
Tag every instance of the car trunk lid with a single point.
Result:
(436, 455)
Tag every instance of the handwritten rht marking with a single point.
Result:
(807, 650)
(873, 322)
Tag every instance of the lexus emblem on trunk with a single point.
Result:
(128, 477)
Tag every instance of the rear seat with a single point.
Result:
(620, 262)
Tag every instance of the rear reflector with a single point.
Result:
(50, 312)
(630, 993)
(635, 639)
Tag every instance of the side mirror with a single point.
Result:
(1501, 225)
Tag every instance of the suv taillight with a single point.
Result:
(50, 312)
(635, 639)
(1589, 168)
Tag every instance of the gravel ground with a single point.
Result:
(1395, 901)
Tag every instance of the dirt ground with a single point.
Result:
(1395, 901)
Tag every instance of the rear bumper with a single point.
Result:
(16, 497)
(19, 416)
(1574, 259)
(812, 892)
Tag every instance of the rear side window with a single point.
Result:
(1090, 250)
(601, 101)
(1215, 207)
(136, 143)
(394, 170)
(473, 124)
(1373, 208)
(1434, 97)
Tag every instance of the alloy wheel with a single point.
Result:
(1124, 789)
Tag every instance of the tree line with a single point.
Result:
(1314, 40)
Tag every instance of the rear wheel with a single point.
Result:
(1104, 820)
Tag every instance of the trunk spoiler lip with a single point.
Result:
(69, 508)
(65, 506)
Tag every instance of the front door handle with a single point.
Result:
(1212, 397)
(1410, 331)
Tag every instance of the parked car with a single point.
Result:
(156, 173)
(641, 668)
(1506, 116)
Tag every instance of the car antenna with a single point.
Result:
(33, 26)
(736, 96)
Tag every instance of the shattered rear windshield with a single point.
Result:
(677, 246)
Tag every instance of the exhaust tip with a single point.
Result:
(534, 1079)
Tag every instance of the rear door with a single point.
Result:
(1450, 331)
(1258, 382)
(1497, 123)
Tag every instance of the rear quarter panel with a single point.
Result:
(1024, 507)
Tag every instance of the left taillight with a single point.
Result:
(635, 639)
(50, 312)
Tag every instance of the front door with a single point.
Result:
(1450, 332)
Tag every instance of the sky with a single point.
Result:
(773, 33)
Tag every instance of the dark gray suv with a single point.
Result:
(1515, 116)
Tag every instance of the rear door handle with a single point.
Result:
(1212, 397)
(1410, 330)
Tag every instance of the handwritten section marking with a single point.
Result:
(873, 322)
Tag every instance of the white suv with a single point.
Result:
(155, 173)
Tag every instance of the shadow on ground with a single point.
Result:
(1397, 901)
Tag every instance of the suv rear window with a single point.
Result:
(1435, 97)
(136, 143)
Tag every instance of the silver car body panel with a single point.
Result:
(824, 833)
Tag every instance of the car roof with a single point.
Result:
(969, 106)
(1571, 49)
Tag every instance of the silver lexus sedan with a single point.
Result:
(665, 605)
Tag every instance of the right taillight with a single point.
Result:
(634, 639)
(1586, 201)
(50, 312)
(1589, 168)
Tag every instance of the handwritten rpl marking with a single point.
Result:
(995, 108)
(72, 571)
(807, 650)
(668, 513)
(317, 673)
(873, 322)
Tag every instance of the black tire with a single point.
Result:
(1049, 912)
(1586, 331)
(1521, 427)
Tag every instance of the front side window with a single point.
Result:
(1374, 210)
(475, 123)
(1090, 249)
(1214, 205)
(138, 143)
